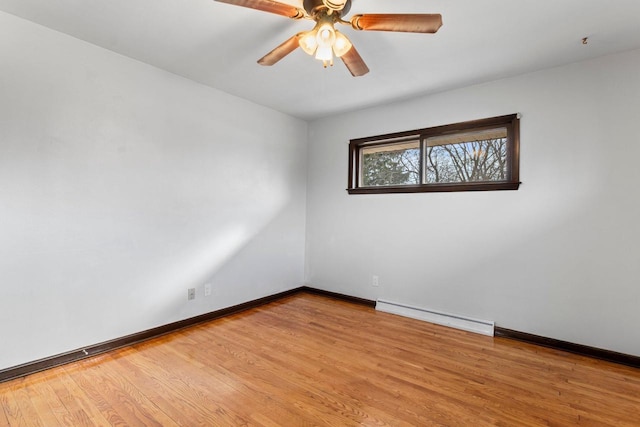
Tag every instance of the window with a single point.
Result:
(470, 156)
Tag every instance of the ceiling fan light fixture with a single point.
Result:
(325, 38)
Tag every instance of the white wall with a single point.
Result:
(122, 185)
(558, 258)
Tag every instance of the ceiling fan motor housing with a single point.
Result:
(314, 6)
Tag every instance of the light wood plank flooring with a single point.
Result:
(307, 360)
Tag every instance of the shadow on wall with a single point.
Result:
(243, 259)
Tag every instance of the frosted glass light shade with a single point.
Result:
(324, 53)
(308, 42)
(326, 35)
(341, 45)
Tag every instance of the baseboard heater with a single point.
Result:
(483, 327)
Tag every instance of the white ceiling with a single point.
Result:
(218, 44)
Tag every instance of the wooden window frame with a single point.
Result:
(510, 122)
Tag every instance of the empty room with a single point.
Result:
(319, 213)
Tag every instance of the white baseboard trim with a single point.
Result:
(483, 327)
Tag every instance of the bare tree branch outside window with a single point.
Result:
(467, 162)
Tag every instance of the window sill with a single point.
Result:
(436, 188)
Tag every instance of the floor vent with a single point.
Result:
(483, 327)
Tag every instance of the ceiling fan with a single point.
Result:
(324, 41)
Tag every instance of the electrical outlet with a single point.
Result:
(191, 294)
(207, 289)
(374, 281)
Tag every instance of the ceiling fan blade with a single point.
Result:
(270, 6)
(281, 51)
(354, 62)
(409, 23)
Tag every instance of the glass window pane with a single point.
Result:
(390, 164)
(467, 157)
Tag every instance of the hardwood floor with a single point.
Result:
(311, 360)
